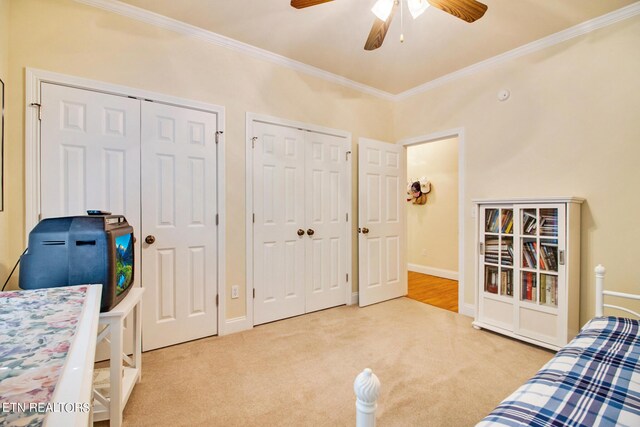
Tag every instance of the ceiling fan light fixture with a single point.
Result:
(382, 9)
(417, 7)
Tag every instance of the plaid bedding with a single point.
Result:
(592, 381)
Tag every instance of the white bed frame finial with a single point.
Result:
(367, 389)
(600, 294)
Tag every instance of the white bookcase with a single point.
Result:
(528, 275)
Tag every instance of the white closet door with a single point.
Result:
(179, 269)
(90, 155)
(382, 263)
(325, 213)
(278, 200)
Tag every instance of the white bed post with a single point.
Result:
(367, 389)
(600, 271)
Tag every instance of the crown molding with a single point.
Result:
(171, 24)
(535, 46)
(161, 21)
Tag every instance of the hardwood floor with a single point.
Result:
(442, 293)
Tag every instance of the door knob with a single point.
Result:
(365, 230)
(310, 232)
(300, 232)
(150, 239)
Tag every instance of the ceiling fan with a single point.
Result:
(467, 10)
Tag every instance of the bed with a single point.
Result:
(592, 381)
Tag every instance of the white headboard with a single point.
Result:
(600, 293)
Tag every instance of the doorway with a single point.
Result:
(432, 222)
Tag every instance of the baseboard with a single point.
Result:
(237, 324)
(432, 271)
(354, 298)
(468, 310)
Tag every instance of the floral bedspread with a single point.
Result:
(36, 331)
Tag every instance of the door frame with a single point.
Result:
(33, 79)
(247, 321)
(466, 309)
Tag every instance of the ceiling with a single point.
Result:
(331, 36)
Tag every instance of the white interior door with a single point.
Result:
(90, 154)
(325, 213)
(382, 261)
(279, 224)
(90, 159)
(179, 269)
(300, 203)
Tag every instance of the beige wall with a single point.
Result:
(66, 37)
(570, 128)
(432, 238)
(7, 255)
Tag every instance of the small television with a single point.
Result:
(81, 250)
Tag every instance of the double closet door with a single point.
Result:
(155, 164)
(299, 221)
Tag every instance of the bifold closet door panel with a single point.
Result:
(325, 213)
(179, 254)
(90, 155)
(278, 201)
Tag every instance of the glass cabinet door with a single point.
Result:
(539, 255)
(497, 254)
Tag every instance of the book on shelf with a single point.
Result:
(549, 222)
(530, 222)
(507, 221)
(506, 284)
(548, 289)
(491, 225)
(529, 254)
(548, 256)
(507, 255)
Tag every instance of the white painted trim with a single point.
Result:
(349, 224)
(161, 21)
(248, 203)
(535, 46)
(261, 118)
(33, 81)
(438, 136)
(511, 334)
(476, 261)
(237, 324)
(31, 153)
(432, 271)
(221, 194)
(530, 200)
(354, 298)
(468, 310)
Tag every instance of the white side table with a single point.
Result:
(124, 372)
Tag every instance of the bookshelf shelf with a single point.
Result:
(529, 266)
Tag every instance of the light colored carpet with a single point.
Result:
(435, 370)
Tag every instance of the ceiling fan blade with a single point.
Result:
(379, 31)
(467, 10)
(301, 4)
